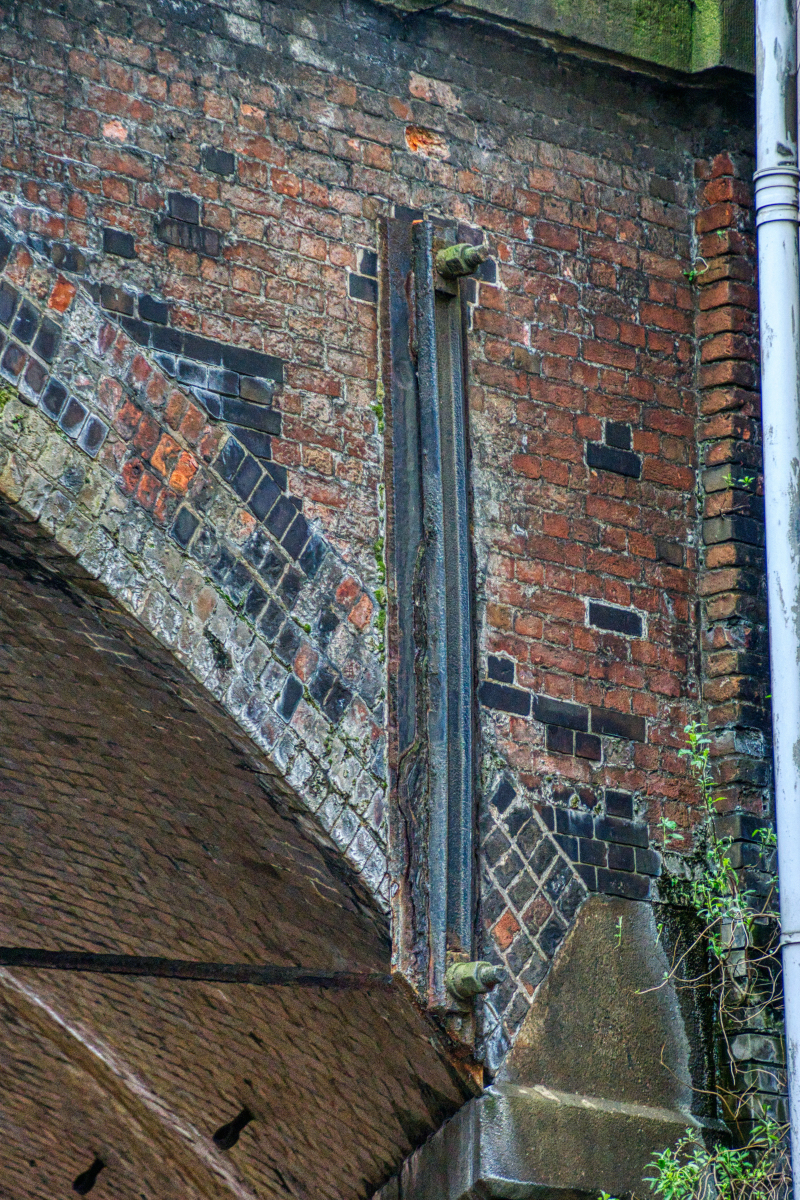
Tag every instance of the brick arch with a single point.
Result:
(162, 501)
(139, 819)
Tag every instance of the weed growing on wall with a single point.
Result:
(740, 929)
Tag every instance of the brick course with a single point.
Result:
(247, 161)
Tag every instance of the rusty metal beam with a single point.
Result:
(266, 975)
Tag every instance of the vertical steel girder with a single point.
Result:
(435, 696)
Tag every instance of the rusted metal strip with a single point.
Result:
(266, 975)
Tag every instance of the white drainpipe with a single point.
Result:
(779, 308)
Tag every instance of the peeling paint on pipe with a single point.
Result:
(776, 181)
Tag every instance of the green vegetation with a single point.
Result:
(741, 933)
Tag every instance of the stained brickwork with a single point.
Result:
(199, 537)
(733, 587)
(137, 818)
(204, 185)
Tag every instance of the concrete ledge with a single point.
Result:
(516, 1143)
(672, 34)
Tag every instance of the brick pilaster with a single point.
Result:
(732, 572)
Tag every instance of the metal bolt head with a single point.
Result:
(461, 259)
(467, 979)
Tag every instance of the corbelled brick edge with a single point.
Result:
(105, 452)
(733, 570)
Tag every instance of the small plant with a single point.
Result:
(692, 273)
(756, 1171)
(744, 481)
(741, 933)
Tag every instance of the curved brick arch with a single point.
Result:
(138, 819)
(199, 539)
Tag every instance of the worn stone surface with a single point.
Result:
(606, 1070)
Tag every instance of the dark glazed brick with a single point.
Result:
(310, 560)
(361, 287)
(281, 516)
(191, 372)
(613, 829)
(544, 853)
(72, 417)
(171, 340)
(321, 683)
(515, 821)
(5, 249)
(593, 852)
(618, 434)
(648, 862)
(13, 360)
(619, 804)
(619, 883)
(278, 473)
(242, 412)
(246, 477)
(288, 642)
(571, 899)
(617, 620)
(504, 795)
(203, 349)
(140, 331)
(290, 697)
(116, 242)
(220, 380)
(26, 322)
(53, 399)
(116, 299)
(271, 621)
(501, 669)
(616, 724)
(296, 536)
(336, 702)
(506, 699)
(559, 740)
(256, 390)
(568, 844)
(606, 458)
(154, 310)
(552, 936)
(368, 263)
(547, 813)
(588, 746)
(35, 377)
(8, 303)
(290, 587)
(221, 162)
(561, 712)
(327, 624)
(588, 874)
(47, 340)
(272, 566)
(251, 362)
(263, 498)
(68, 258)
(182, 234)
(569, 820)
(256, 599)
(184, 526)
(229, 459)
(259, 444)
(621, 858)
(210, 243)
(184, 208)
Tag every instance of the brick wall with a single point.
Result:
(210, 184)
